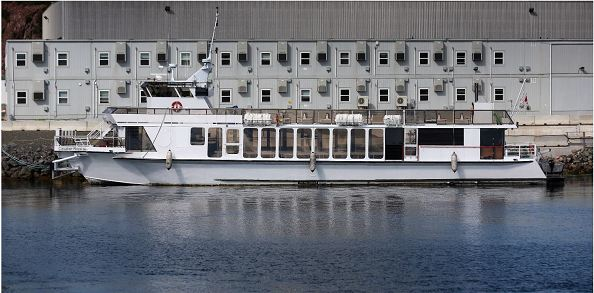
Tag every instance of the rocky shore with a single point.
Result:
(579, 162)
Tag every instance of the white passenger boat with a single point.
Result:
(180, 140)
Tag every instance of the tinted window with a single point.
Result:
(197, 136)
(441, 136)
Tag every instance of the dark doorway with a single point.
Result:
(394, 143)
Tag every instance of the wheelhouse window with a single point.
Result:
(460, 57)
(62, 59)
(441, 136)
(137, 139)
(215, 142)
(376, 144)
(145, 59)
(423, 58)
(384, 95)
(460, 94)
(103, 58)
(285, 147)
(62, 97)
(303, 143)
(265, 95)
(384, 58)
(499, 94)
(197, 136)
(185, 59)
(225, 58)
(21, 59)
(306, 95)
(103, 96)
(322, 143)
(423, 94)
(265, 58)
(268, 143)
(339, 143)
(304, 58)
(21, 97)
(345, 95)
(225, 96)
(344, 58)
(498, 57)
(250, 142)
(357, 143)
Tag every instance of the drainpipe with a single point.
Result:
(13, 85)
(55, 82)
(550, 79)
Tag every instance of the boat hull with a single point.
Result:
(106, 168)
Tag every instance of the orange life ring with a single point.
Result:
(176, 106)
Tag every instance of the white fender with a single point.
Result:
(454, 162)
(312, 161)
(169, 160)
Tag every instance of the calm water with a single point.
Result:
(167, 239)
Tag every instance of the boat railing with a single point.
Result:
(322, 116)
(520, 151)
(72, 138)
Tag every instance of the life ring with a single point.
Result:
(176, 106)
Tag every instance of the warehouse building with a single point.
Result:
(532, 56)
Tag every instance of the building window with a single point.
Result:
(21, 59)
(498, 57)
(62, 59)
(304, 58)
(305, 95)
(423, 94)
(265, 58)
(103, 96)
(423, 58)
(383, 58)
(21, 98)
(185, 59)
(225, 58)
(499, 94)
(62, 97)
(103, 58)
(265, 95)
(345, 95)
(145, 58)
(460, 58)
(384, 95)
(345, 58)
(225, 96)
(142, 97)
(460, 94)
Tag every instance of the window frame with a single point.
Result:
(340, 95)
(108, 98)
(145, 96)
(420, 95)
(230, 96)
(140, 59)
(308, 58)
(502, 94)
(16, 97)
(347, 58)
(189, 58)
(301, 95)
(379, 58)
(458, 58)
(269, 95)
(428, 58)
(269, 59)
(58, 59)
(99, 59)
(16, 59)
(495, 58)
(67, 97)
(458, 94)
(226, 59)
(379, 95)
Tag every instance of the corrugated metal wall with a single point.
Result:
(329, 20)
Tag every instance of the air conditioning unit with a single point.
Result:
(363, 101)
(361, 85)
(401, 101)
(121, 52)
(242, 86)
(438, 85)
(121, 88)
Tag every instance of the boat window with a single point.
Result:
(215, 142)
(185, 92)
(303, 143)
(250, 142)
(357, 143)
(232, 144)
(492, 143)
(285, 148)
(394, 140)
(161, 90)
(339, 151)
(441, 136)
(137, 139)
(322, 147)
(376, 143)
(268, 143)
(197, 136)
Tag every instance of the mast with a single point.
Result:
(201, 76)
